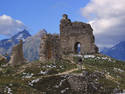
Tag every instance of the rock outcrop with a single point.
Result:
(2, 58)
(86, 83)
(17, 57)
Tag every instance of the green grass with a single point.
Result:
(51, 67)
(20, 85)
(107, 66)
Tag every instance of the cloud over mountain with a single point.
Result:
(10, 26)
(107, 18)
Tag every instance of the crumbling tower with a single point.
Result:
(17, 57)
(74, 33)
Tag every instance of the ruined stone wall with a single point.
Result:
(43, 47)
(71, 33)
(76, 32)
(17, 57)
(50, 47)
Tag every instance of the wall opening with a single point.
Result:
(77, 48)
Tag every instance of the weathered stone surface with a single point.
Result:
(71, 34)
(43, 47)
(50, 47)
(2, 58)
(88, 82)
(17, 57)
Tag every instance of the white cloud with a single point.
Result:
(107, 18)
(9, 26)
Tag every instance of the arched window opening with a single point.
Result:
(77, 48)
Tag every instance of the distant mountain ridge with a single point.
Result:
(21, 35)
(117, 51)
(7, 44)
(31, 44)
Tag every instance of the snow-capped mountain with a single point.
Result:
(21, 35)
(31, 44)
(7, 44)
(117, 51)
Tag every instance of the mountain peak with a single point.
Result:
(21, 35)
(7, 44)
(25, 31)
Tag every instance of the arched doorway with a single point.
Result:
(77, 48)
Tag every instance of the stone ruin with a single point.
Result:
(50, 47)
(72, 34)
(17, 57)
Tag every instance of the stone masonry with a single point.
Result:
(71, 34)
(50, 47)
(17, 57)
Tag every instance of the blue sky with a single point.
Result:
(39, 14)
(107, 17)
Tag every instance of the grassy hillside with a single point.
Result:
(101, 72)
(113, 70)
